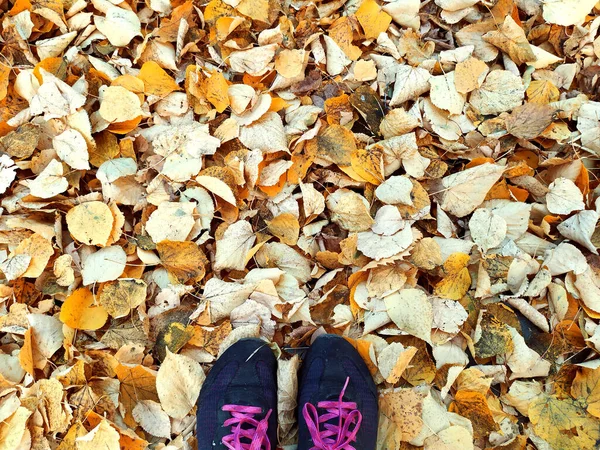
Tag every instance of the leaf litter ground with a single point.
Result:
(419, 177)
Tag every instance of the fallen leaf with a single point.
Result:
(152, 418)
(102, 436)
(234, 246)
(564, 197)
(80, 311)
(457, 280)
(285, 227)
(172, 221)
(185, 261)
(106, 264)
(120, 25)
(90, 223)
(119, 297)
(501, 91)
(178, 384)
(567, 12)
(156, 80)
(464, 191)
(411, 311)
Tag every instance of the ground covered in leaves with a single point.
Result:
(417, 176)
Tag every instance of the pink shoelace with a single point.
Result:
(245, 426)
(333, 437)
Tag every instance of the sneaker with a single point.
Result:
(337, 408)
(237, 407)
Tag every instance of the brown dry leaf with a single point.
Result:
(79, 311)
(403, 409)
(501, 91)
(350, 210)
(529, 120)
(462, 192)
(474, 406)
(285, 227)
(185, 261)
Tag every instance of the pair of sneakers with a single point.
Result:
(337, 399)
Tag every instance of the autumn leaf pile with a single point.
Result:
(419, 177)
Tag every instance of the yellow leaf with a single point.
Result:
(40, 250)
(542, 92)
(69, 440)
(336, 144)
(285, 227)
(107, 148)
(90, 223)
(341, 32)
(78, 311)
(368, 164)
(185, 261)
(216, 91)
(119, 297)
(255, 9)
(586, 388)
(156, 80)
(563, 423)
(210, 339)
(13, 428)
(290, 63)
(373, 20)
(364, 349)
(137, 383)
(457, 280)
(26, 353)
(102, 437)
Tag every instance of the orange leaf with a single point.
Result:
(78, 311)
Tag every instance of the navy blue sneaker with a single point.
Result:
(237, 407)
(337, 408)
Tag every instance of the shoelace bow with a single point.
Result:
(333, 437)
(255, 431)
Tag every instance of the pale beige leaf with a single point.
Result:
(178, 384)
(152, 418)
(106, 264)
(411, 311)
(172, 221)
(234, 246)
